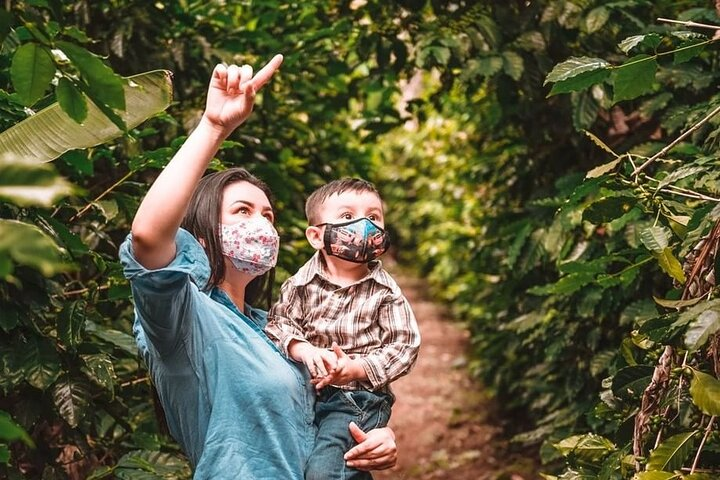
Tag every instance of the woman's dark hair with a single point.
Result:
(202, 220)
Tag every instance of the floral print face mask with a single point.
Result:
(252, 245)
(358, 240)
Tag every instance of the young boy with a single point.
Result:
(346, 319)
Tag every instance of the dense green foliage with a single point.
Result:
(577, 287)
(554, 264)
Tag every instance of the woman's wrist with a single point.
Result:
(214, 131)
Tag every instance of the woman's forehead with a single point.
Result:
(245, 192)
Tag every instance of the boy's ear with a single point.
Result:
(314, 236)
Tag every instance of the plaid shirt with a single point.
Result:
(370, 320)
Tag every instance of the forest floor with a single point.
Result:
(446, 427)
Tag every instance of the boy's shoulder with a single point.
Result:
(381, 276)
(304, 274)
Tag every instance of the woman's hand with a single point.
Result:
(231, 94)
(376, 449)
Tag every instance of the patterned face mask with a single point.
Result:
(358, 240)
(252, 245)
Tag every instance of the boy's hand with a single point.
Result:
(346, 370)
(318, 361)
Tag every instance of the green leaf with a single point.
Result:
(672, 453)
(138, 464)
(700, 330)
(652, 40)
(71, 100)
(632, 381)
(99, 368)
(71, 399)
(31, 71)
(513, 64)
(655, 475)
(146, 95)
(11, 431)
(6, 22)
(600, 144)
(677, 303)
(607, 209)
(705, 392)
(670, 264)
(70, 323)
(28, 245)
(589, 447)
(656, 239)
(577, 73)
(121, 340)
(29, 183)
(103, 83)
(688, 52)
(634, 78)
(603, 169)
(565, 286)
(40, 362)
(596, 19)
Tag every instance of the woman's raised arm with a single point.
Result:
(230, 100)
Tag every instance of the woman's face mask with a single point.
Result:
(251, 244)
(358, 240)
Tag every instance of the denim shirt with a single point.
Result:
(234, 403)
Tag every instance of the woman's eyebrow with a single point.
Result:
(266, 208)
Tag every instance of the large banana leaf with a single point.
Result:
(51, 132)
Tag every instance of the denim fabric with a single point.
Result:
(237, 407)
(334, 410)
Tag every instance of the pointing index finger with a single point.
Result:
(265, 74)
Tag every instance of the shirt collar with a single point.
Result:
(315, 267)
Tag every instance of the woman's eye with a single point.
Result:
(244, 210)
(269, 218)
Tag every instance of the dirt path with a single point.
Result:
(445, 427)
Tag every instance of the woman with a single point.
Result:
(237, 407)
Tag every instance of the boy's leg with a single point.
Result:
(334, 410)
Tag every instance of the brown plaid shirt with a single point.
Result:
(370, 320)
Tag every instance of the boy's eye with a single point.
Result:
(372, 217)
(346, 216)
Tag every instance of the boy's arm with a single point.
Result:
(285, 318)
(400, 343)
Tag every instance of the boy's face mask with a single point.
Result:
(358, 240)
(252, 245)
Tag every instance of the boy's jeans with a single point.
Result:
(334, 410)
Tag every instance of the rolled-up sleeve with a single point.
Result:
(400, 342)
(285, 319)
(162, 296)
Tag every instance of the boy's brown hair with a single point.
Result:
(318, 197)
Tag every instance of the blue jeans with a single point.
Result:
(334, 410)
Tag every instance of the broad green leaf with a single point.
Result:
(601, 170)
(607, 209)
(688, 52)
(565, 286)
(589, 447)
(677, 303)
(659, 330)
(146, 95)
(700, 330)
(4, 454)
(31, 71)
(656, 239)
(71, 399)
(121, 340)
(577, 73)
(585, 110)
(11, 431)
(633, 78)
(656, 475)
(102, 82)
(6, 22)
(632, 381)
(27, 245)
(40, 362)
(513, 64)
(70, 323)
(600, 144)
(679, 174)
(705, 392)
(71, 100)
(27, 183)
(596, 19)
(651, 39)
(154, 464)
(672, 453)
(99, 369)
(670, 264)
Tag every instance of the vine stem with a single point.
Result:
(99, 197)
(682, 137)
(689, 23)
(708, 429)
